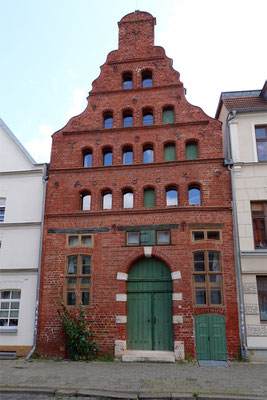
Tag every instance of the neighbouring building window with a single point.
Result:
(149, 198)
(207, 278)
(259, 220)
(132, 238)
(261, 139)
(2, 209)
(169, 152)
(127, 80)
(206, 235)
(127, 155)
(79, 240)
(78, 279)
(168, 115)
(127, 118)
(107, 157)
(194, 196)
(262, 295)
(171, 197)
(128, 198)
(107, 201)
(147, 79)
(148, 154)
(88, 159)
(148, 118)
(191, 151)
(86, 201)
(9, 308)
(108, 120)
(163, 237)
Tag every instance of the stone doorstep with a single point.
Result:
(148, 356)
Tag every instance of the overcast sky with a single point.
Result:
(51, 51)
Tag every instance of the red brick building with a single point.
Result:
(138, 214)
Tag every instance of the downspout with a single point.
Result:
(44, 180)
(229, 162)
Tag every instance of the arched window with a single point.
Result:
(191, 150)
(194, 195)
(127, 80)
(86, 201)
(171, 197)
(148, 118)
(149, 198)
(169, 152)
(107, 156)
(148, 154)
(128, 199)
(147, 79)
(107, 200)
(87, 158)
(127, 118)
(168, 115)
(108, 120)
(127, 155)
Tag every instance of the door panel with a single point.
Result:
(162, 318)
(202, 337)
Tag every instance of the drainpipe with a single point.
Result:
(229, 163)
(44, 180)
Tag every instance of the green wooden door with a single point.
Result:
(149, 306)
(210, 336)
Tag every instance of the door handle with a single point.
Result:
(148, 320)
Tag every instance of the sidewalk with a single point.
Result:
(132, 380)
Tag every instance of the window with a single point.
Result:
(108, 120)
(127, 80)
(9, 308)
(262, 295)
(107, 157)
(206, 235)
(163, 237)
(259, 220)
(194, 195)
(107, 201)
(127, 155)
(79, 240)
(87, 159)
(168, 115)
(2, 209)
(147, 79)
(149, 198)
(127, 118)
(171, 197)
(128, 199)
(132, 238)
(148, 154)
(207, 277)
(86, 201)
(169, 152)
(191, 151)
(261, 139)
(148, 118)
(78, 279)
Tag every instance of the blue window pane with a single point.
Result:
(108, 158)
(128, 84)
(127, 157)
(194, 196)
(171, 198)
(87, 160)
(108, 122)
(148, 156)
(148, 119)
(128, 121)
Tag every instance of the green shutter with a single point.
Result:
(168, 117)
(149, 198)
(169, 152)
(147, 238)
(191, 151)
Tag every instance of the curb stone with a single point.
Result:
(47, 392)
(107, 395)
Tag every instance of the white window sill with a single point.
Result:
(8, 330)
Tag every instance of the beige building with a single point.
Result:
(244, 118)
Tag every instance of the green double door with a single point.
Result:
(210, 335)
(149, 306)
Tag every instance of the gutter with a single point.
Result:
(229, 163)
(44, 180)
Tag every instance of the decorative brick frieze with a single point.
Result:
(251, 309)
(249, 288)
(256, 330)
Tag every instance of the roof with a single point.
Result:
(247, 100)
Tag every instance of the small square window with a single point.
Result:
(213, 235)
(73, 240)
(87, 240)
(163, 237)
(198, 235)
(132, 238)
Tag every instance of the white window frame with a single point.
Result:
(10, 301)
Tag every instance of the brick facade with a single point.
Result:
(68, 180)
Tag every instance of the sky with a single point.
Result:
(51, 51)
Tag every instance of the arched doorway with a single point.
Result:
(149, 306)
